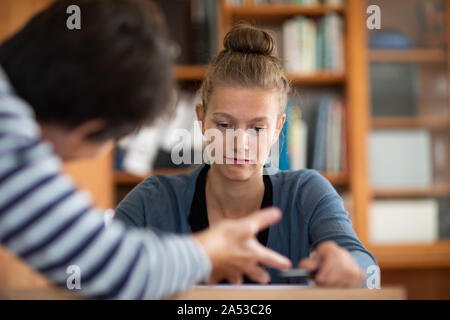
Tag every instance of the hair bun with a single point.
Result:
(245, 38)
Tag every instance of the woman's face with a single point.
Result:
(249, 122)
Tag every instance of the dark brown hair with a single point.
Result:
(115, 68)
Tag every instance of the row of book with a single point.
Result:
(408, 158)
(408, 89)
(409, 221)
(328, 138)
(192, 26)
(311, 45)
(299, 2)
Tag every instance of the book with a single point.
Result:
(393, 89)
(320, 143)
(297, 139)
(334, 142)
(311, 45)
(403, 221)
(329, 136)
(444, 218)
(400, 158)
(439, 154)
(200, 32)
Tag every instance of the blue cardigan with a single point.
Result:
(312, 212)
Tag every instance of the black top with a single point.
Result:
(198, 216)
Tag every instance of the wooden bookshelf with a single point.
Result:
(421, 255)
(408, 55)
(269, 13)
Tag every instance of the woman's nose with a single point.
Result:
(241, 140)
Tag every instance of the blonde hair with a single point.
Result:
(249, 59)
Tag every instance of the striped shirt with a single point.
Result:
(50, 224)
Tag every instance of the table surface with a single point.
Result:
(243, 292)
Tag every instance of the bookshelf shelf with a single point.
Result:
(410, 122)
(262, 12)
(336, 178)
(125, 178)
(191, 72)
(408, 55)
(317, 78)
(421, 255)
(433, 191)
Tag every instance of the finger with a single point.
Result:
(336, 276)
(260, 220)
(257, 274)
(323, 275)
(349, 278)
(213, 279)
(271, 259)
(235, 278)
(357, 278)
(339, 277)
(311, 263)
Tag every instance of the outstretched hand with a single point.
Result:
(234, 250)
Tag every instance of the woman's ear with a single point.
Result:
(82, 131)
(200, 116)
(280, 124)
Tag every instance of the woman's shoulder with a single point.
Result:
(300, 178)
(159, 184)
(305, 187)
(157, 195)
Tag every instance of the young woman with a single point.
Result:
(246, 90)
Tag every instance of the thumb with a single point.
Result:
(261, 220)
(311, 263)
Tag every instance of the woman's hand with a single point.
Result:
(335, 266)
(234, 251)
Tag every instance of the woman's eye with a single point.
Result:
(259, 129)
(224, 125)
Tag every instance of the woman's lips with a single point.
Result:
(236, 161)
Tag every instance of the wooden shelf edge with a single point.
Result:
(320, 77)
(425, 122)
(433, 191)
(280, 10)
(407, 55)
(121, 177)
(190, 72)
(400, 256)
(338, 178)
(197, 73)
